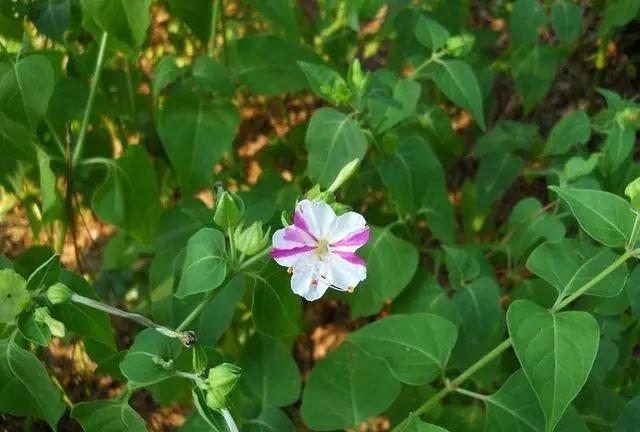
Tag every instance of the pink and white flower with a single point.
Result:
(319, 249)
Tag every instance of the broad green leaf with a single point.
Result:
(527, 17)
(83, 320)
(439, 129)
(205, 264)
(52, 17)
(333, 139)
(50, 198)
(610, 286)
(467, 418)
(414, 424)
(431, 34)
(604, 216)
(26, 390)
(322, 78)
(406, 94)
(514, 408)
(478, 306)
(269, 372)
(633, 292)
(416, 347)
(281, 13)
(180, 222)
(566, 18)
(45, 275)
(269, 56)
(269, 420)
(506, 137)
(197, 423)
(619, 146)
(208, 74)
(129, 197)
(30, 329)
(424, 294)
(275, 308)
(196, 14)
(463, 266)
(533, 70)
(165, 72)
(196, 132)
(573, 129)
(577, 167)
(456, 80)
(151, 358)
(416, 183)
(25, 89)
(125, 21)
(346, 388)
(108, 416)
(495, 175)
(618, 13)
(14, 296)
(629, 417)
(16, 143)
(556, 351)
(384, 251)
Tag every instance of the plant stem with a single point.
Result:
(497, 351)
(187, 337)
(472, 394)
(604, 273)
(199, 308)
(257, 257)
(435, 57)
(132, 98)
(77, 151)
(214, 24)
(231, 424)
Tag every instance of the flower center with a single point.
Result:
(322, 248)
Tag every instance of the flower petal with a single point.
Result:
(319, 218)
(347, 270)
(287, 253)
(352, 241)
(306, 284)
(347, 224)
(296, 235)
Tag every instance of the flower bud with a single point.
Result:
(460, 46)
(251, 240)
(347, 171)
(59, 293)
(633, 192)
(219, 384)
(14, 296)
(229, 209)
(41, 315)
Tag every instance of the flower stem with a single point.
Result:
(82, 134)
(231, 424)
(214, 24)
(187, 337)
(497, 351)
(195, 313)
(257, 257)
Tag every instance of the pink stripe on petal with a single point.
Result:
(301, 223)
(296, 235)
(283, 253)
(352, 258)
(358, 238)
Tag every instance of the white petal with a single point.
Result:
(319, 216)
(346, 224)
(345, 274)
(302, 283)
(299, 251)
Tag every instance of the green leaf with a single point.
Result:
(269, 372)
(406, 94)
(83, 320)
(151, 358)
(506, 137)
(26, 389)
(25, 89)
(205, 264)
(556, 351)
(533, 70)
(346, 388)
(321, 77)
(125, 21)
(416, 182)
(129, 197)
(281, 13)
(384, 251)
(431, 34)
(108, 416)
(619, 145)
(495, 175)
(514, 408)
(196, 132)
(165, 72)
(196, 14)
(180, 222)
(566, 18)
(577, 167)
(14, 296)
(50, 198)
(45, 275)
(15, 142)
(478, 306)
(52, 17)
(275, 308)
(424, 294)
(606, 217)
(416, 347)
(456, 80)
(35, 331)
(269, 420)
(610, 286)
(618, 13)
(629, 417)
(269, 56)
(573, 129)
(527, 17)
(633, 292)
(414, 424)
(333, 140)
(208, 74)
